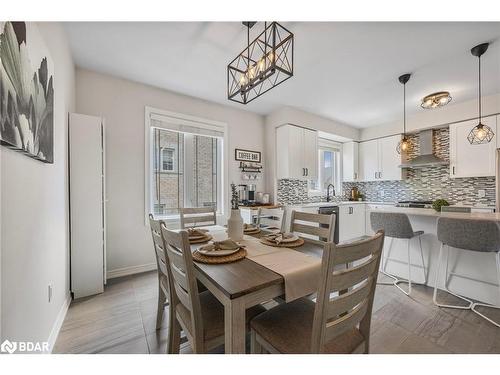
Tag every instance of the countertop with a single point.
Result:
(337, 203)
(432, 213)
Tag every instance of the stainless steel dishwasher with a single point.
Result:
(331, 210)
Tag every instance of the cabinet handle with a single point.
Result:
(375, 174)
(303, 171)
(307, 171)
(355, 176)
(379, 174)
(453, 170)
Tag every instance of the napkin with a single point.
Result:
(196, 233)
(249, 227)
(278, 237)
(222, 245)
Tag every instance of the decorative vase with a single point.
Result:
(235, 226)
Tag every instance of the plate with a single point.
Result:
(217, 253)
(290, 237)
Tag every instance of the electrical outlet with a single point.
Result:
(50, 292)
(481, 193)
(382, 193)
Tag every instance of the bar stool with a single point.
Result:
(397, 225)
(468, 234)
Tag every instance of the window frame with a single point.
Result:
(177, 119)
(328, 145)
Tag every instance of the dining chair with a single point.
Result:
(481, 236)
(338, 323)
(192, 217)
(271, 217)
(319, 227)
(161, 263)
(199, 315)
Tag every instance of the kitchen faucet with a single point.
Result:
(328, 197)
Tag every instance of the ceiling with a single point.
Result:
(343, 71)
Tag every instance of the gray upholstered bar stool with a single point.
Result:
(473, 235)
(397, 225)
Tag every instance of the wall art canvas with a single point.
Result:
(26, 91)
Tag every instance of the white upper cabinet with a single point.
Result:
(296, 152)
(368, 160)
(468, 160)
(350, 170)
(389, 158)
(379, 160)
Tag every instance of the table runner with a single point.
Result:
(300, 271)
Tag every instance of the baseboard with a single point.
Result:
(58, 323)
(119, 272)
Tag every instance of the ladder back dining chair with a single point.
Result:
(269, 218)
(198, 217)
(161, 263)
(335, 325)
(319, 227)
(199, 315)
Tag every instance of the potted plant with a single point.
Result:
(235, 221)
(438, 203)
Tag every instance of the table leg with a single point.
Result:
(234, 325)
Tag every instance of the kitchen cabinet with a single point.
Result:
(350, 170)
(297, 152)
(379, 160)
(468, 160)
(351, 221)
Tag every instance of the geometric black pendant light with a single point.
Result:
(265, 63)
(481, 133)
(404, 143)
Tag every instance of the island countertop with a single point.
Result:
(495, 216)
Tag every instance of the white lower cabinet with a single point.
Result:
(351, 221)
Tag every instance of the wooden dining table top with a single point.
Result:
(243, 276)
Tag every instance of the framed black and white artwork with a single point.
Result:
(26, 91)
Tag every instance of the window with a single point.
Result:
(328, 168)
(168, 159)
(186, 165)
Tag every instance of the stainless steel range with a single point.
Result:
(415, 204)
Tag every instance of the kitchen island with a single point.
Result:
(472, 274)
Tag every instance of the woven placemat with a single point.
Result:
(198, 257)
(297, 243)
(207, 238)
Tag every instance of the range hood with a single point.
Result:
(426, 157)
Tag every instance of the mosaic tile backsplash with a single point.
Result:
(420, 184)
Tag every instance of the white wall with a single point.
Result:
(288, 115)
(451, 113)
(34, 218)
(122, 104)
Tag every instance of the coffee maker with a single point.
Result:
(252, 191)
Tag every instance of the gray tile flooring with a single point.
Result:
(122, 320)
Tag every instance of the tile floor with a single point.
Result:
(122, 320)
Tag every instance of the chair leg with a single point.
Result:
(174, 335)
(255, 347)
(409, 273)
(384, 265)
(426, 273)
(161, 307)
(473, 308)
(434, 298)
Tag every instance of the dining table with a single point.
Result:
(266, 273)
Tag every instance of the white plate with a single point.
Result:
(292, 238)
(217, 253)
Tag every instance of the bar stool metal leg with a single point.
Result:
(473, 307)
(409, 273)
(434, 298)
(384, 265)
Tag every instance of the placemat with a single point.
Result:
(198, 257)
(297, 243)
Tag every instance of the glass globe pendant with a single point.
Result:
(480, 133)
